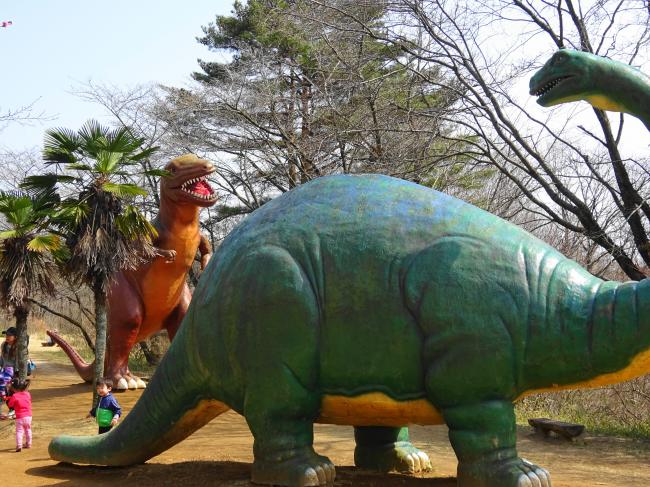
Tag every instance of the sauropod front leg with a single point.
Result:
(280, 320)
(483, 436)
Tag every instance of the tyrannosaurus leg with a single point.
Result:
(125, 315)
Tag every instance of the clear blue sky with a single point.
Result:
(54, 46)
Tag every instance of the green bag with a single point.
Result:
(104, 417)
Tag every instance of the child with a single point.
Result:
(21, 402)
(108, 411)
(6, 375)
(8, 348)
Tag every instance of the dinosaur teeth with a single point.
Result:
(192, 181)
(185, 188)
(550, 85)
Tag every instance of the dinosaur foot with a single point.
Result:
(126, 382)
(401, 456)
(514, 473)
(295, 468)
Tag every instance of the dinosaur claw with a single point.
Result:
(322, 477)
(411, 464)
(303, 470)
(425, 463)
(310, 478)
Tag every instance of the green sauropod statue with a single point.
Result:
(378, 303)
(606, 84)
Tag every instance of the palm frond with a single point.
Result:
(17, 210)
(157, 172)
(107, 161)
(124, 190)
(27, 212)
(71, 212)
(16, 201)
(79, 166)
(144, 154)
(45, 201)
(9, 195)
(61, 255)
(44, 243)
(95, 138)
(8, 234)
(62, 138)
(60, 146)
(45, 181)
(122, 140)
(132, 224)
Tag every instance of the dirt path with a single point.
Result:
(220, 454)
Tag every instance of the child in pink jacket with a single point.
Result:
(21, 402)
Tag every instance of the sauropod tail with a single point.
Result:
(176, 403)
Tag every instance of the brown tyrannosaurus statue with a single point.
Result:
(155, 296)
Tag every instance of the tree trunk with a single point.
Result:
(100, 336)
(22, 341)
(305, 133)
(288, 127)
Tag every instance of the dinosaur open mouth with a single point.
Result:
(199, 188)
(544, 89)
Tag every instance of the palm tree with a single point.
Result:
(104, 231)
(27, 253)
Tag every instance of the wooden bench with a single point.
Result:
(569, 431)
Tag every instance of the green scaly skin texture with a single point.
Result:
(575, 75)
(356, 284)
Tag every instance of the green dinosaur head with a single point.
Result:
(575, 75)
(564, 78)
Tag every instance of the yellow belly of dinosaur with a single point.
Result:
(639, 366)
(377, 409)
(604, 103)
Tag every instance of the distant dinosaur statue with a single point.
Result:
(377, 303)
(155, 296)
(606, 84)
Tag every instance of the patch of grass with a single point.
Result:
(622, 410)
(138, 364)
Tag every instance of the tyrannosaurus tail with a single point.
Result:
(175, 403)
(84, 369)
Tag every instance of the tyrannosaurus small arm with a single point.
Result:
(155, 296)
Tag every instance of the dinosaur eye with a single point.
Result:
(561, 57)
